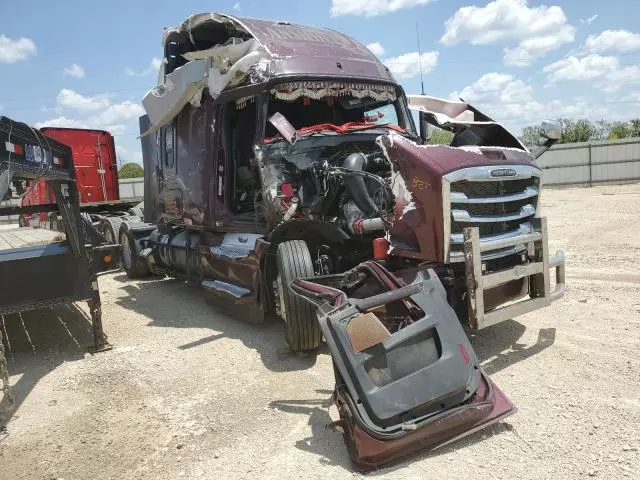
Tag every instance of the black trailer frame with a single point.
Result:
(60, 272)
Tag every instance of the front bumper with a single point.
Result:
(536, 271)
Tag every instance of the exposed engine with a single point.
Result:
(349, 183)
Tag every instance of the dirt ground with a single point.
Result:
(191, 392)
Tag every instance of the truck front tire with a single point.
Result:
(133, 265)
(301, 324)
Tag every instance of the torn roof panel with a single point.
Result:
(299, 49)
(315, 51)
(217, 51)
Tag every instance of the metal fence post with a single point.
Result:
(590, 174)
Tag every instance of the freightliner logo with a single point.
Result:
(503, 172)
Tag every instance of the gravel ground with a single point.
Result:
(191, 392)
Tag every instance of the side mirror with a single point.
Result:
(551, 129)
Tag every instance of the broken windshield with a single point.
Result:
(332, 108)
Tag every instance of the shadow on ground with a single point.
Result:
(499, 348)
(38, 341)
(174, 303)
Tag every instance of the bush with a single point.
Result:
(131, 170)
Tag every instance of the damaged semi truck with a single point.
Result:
(276, 152)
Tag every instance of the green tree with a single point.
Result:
(635, 127)
(131, 170)
(619, 130)
(603, 128)
(531, 135)
(577, 130)
(441, 137)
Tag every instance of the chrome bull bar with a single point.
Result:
(537, 271)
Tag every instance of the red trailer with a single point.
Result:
(94, 158)
(96, 168)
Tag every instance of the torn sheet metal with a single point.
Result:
(215, 68)
(163, 102)
(237, 50)
(455, 115)
(236, 245)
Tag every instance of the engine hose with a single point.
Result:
(356, 186)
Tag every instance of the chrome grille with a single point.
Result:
(500, 207)
(490, 189)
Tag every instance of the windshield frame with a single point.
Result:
(405, 119)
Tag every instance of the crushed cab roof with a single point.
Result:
(218, 52)
(300, 49)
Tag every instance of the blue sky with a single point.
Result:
(78, 63)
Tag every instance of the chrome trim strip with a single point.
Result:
(475, 174)
(456, 257)
(458, 197)
(464, 216)
(446, 213)
(523, 229)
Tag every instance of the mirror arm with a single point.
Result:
(550, 142)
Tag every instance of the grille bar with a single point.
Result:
(464, 216)
(458, 238)
(529, 192)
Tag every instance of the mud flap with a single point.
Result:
(407, 378)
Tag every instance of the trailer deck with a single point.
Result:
(11, 238)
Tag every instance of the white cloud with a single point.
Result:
(409, 64)
(605, 72)
(71, 99)
(116, 130)
(75, 71)
(371, 8)
(16, 50)
(62, 122)
(117, 112)
(375, 48)
(98, 112)
(236, 6)
(125, 155)
(535, 31)
(580, 68)
(613, 40)
(495, 86)
(590, 20)
(621, 77)
(511, 101)
(154, 66)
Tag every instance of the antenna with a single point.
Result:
(420, 58)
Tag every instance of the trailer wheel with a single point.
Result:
(111, 228)
(130, 259)
(22, 222)
(301, 324)
(86, 217)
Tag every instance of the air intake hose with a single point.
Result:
(356, 185)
